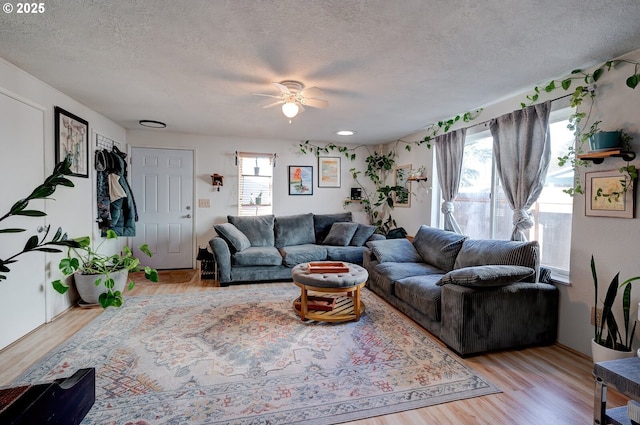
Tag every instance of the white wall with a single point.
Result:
(216, 155)
(612, 241)
(73, 209)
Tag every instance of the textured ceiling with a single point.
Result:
(388, 68)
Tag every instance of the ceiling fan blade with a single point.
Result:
(283, 89)
(280, 102)
(301, 108)
(316, 103)
(267, 95)
(312, 92)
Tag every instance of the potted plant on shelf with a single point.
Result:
(101, 278)
(608, 343)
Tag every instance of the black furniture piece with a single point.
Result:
(64, 401)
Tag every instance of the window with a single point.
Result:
(255, 185)
(482, 210)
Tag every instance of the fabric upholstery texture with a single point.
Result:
(258, 256)
(479, 252)
(350, 254)
(394, 250)
(258, 229)
(423, 291)
(340, 234)
(322, 223)
(294, 230)
(485, 276)
(363, 233)
(438, 247)
(296, 254)
(233, 236)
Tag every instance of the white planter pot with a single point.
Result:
(90, 293)
(603, 354)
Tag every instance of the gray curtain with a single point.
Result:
(522, 149)
(449, 152)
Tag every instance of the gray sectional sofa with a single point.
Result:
(266, 248)
(475, 295)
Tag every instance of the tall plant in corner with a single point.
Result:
(607, 332)
(35, 243)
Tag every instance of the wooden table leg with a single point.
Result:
(356, 303)
(303, 303)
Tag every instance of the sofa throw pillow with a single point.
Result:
(486, 276)
(438, 247)
(322, 223)
(363, 233)
(479, 252)
(258, 229)
(340, 234)
(233, 236)
(294, 230)
(394, 250)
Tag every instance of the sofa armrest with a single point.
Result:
(476, 320)
(222, 257)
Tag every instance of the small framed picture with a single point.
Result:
(300, 180)
(72, 140)
(609, 194)
(328, 171)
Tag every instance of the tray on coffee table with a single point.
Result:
(328, 267)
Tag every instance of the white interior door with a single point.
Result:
(22, 295)
(162, 185)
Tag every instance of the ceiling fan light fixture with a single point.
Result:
(290, 109)
(345, 132)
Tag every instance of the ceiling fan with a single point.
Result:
(294, 97)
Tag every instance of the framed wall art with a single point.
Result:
(300, 180)
(605, 195)
(328, 171)
(72, 140)
(402, 193)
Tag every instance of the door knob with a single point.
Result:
(188, 216)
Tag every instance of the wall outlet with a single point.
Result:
(596, 316)
(204, 203)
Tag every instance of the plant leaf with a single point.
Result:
(11, 230)
(30, 213)
(60, 286)
(633, 81)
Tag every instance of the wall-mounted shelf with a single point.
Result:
(598, 157)
(417, 179)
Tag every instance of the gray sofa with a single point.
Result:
(475, 295)
(266, 248)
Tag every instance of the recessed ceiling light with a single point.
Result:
(345, 133)
(152, 124)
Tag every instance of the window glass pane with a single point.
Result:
(255, 184)
(553, 211)
(473, 204)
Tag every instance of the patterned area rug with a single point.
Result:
(242, 356)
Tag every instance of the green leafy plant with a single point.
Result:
(87, 260)
(584, 90)
(36, 243)
(607, 331)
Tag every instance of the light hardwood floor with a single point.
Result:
(542, 385)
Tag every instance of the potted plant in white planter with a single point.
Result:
(101, 278)
(608, 342)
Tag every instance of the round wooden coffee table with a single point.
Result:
(346, 308)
